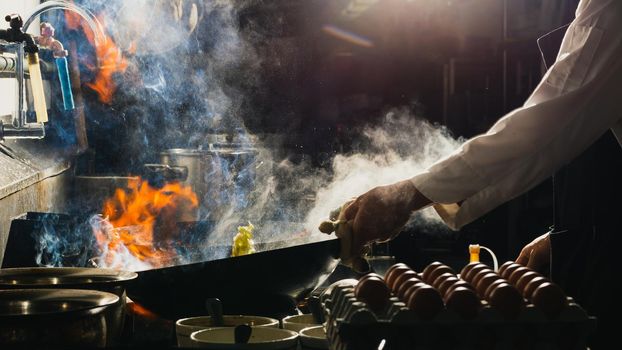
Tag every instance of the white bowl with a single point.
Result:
(298, 322)
(186, 326)
(262, 338)
(313, 338)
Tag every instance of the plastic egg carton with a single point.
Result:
(351, 324)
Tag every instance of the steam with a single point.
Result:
(402, 146)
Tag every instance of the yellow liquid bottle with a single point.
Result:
(36, 84)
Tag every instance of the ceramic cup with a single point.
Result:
(261, 338)
(298, 322)
(186, 326)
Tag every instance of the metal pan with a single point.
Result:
(264, 283)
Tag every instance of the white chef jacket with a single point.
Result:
(576, 102)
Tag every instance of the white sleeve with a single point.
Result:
(578, 99)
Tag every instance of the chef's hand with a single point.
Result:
(380, 214)
(536, 254)
(375, 216)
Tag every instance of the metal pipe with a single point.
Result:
(27, 131)
(19, 116)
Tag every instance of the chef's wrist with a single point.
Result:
(415, 199)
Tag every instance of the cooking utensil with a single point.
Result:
(253, 283)
(106, 280)
(214, 309)
(43, 318)
(242, 333)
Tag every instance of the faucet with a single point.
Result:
(24, 45)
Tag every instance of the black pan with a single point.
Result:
(264, 283)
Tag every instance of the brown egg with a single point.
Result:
(425, 302)
(485, 282)
(393, 267)
(397, 282)
(439, 271)
(411, 290)
(468, 268)
(472, 272)
(403, 287)
(448, 282)
(463, 302)
(532, 285)
(460, 283)
(517, 273)
(525, 279)
(367, 276)
(507, 300)
(438, 280)
(396, 272)
(374, 292)
(504, 266)
(492, 287)
(475, 279)
(431, 267)
(549, 298)
(508, 271)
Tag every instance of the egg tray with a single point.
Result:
(350, 324)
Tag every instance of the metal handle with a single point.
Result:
(214, 309)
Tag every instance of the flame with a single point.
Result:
(111, 61)
(139, 310)
(109, 57)
(125, 232)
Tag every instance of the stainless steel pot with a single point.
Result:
(215, 175)
(44, 318)
(99, 279)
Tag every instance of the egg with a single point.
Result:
(492, 287)
(508, 271)
(468, 268)
(367, 276)
(532, 285)
(463, 302)
(438, 280)
(460, 283)
(411, 290)
(393, 267)
(439, 271)
(472, 272)
(485, 282)
(397, 282)
(517, 273)
(475, 279)
(525, 279)
(431, 267)
(426, 302)
(394, 274)
(374, 292)
(550, 298)
(506, 299)
(446, 284)
(403, 287)
(504, 266)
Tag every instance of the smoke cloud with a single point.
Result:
(190, 68)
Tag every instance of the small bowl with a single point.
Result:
(186, 326)
(297, 323)
(262, 338)
(313, 338)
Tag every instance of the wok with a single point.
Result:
(259, 283)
